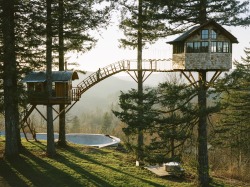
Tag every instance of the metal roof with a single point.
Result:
(57, 76)
(194, 29)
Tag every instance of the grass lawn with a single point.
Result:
(78, 165)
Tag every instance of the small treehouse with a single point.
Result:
(62, 91)
(204, 47)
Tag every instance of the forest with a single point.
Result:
(206, 127)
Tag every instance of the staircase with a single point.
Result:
(102, 73)
(124, 65)
(151, 65)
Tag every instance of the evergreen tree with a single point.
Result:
(75, 19)
(79, 18)
(141, 26)
(76, 125)
(106, 123)
(177, 118)
(50, 128)
(233, 128)
(10, 80)
(187, 13)
(131, 107)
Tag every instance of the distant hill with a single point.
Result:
(101, 95)
(106, 92)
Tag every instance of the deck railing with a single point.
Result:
(159, 65)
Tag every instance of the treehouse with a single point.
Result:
(62, 91)
(203, 47)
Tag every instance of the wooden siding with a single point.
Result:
(62, 93)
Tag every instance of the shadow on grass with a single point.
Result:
(33, 170)
(177, 179)
(70, 167)
(78, 154)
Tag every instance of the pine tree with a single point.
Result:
(75, 19)
(177, 118)
(75, 125)
(50, 128)
(131, 107)
(141, 26)
(233, 128)
(106, 123)
(10, 80)
(187, 13)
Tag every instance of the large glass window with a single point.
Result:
(213, 47)
(219, 47)
(204, 34)
(204, 46)
(178, 48)
(226, 47)
(197, 46)
(190, 47)
(213, 34)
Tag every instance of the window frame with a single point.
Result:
(197, 47)
(204, 48)
(220, 47)
(213, 34)
(205, 36)
(227, 48)
(189, 49)
(178, 48)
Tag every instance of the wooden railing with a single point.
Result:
(153, 65)
(76, 94)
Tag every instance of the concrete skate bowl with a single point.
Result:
(96, 140)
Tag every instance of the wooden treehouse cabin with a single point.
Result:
(204, 47)
(62, 90)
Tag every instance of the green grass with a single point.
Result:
(78, 165)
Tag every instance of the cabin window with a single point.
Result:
(226, 47)
(53, 89)
(213, 34)
(31, 86)
(178, 48)
(190, 47)
(219, 47)
(39, 87)
(204, 34)
(204, 46)
(197, 47)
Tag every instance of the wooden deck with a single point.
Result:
(158, 170)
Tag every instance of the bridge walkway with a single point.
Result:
(150, 65)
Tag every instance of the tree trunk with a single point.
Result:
(203, 167)
(50, 129)
(10, 81)
(62, 116)
(140, 81)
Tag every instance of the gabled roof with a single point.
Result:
(57, 76)
(194, 29)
